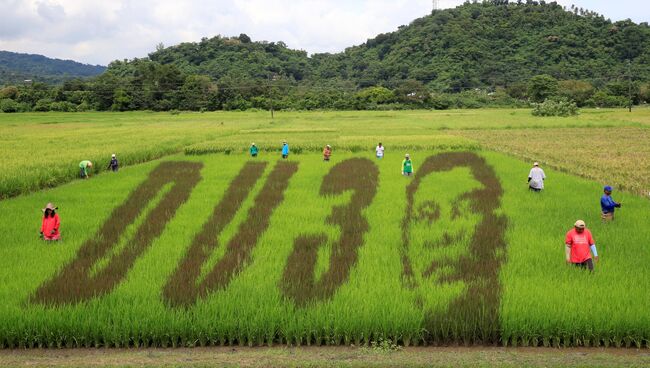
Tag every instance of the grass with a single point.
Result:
(42, 150)
(351, 287)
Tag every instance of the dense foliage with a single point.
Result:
(494, 52)
(16, 68)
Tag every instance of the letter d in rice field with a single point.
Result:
(77, 282)
(455, 240)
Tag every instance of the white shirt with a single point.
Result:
(537, 177)
(380, 151)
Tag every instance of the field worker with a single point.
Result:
(83, 168)
(114, 164)
(536, 178)
(579, 243)
(407, 166)
(285, 150)
(327, 152)
(379, 151)
(253, 150)
(50, 224)
(607, 204)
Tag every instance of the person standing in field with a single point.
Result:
(285, 150)
(579, 243)
(50, 224)
(327, 152)
(114, 164)
(407, 166)
(253, 150)
(536, 178)
(607, 204)
(84, 166)
(379, 151)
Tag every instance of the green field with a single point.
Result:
(194, 243)
(308, 252)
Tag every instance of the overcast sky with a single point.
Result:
(98, 31)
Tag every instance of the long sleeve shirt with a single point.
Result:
(50, 224)
(285, 149)
(536, 178)
(607, 204)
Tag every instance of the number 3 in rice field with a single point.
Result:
(298, 283)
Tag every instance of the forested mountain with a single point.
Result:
(16, 67)
(495, 52)
(488, 44)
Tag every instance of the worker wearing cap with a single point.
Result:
(253, 150)
(536, 178)
(607, 204)
(285, 150)
(579, 244)
(114, 164)
(407, 166)
(327, 152)
(83, 168)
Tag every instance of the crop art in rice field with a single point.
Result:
(448, 237)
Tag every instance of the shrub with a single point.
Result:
(43, 105)
(603, 99)
(8, 105)
(555, 107)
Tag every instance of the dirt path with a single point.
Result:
(327, 357)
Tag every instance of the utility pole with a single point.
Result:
(272, 77)
(629, 84)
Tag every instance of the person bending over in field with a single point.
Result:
(327, 152)
(379, 151)
(50, 224)
(608, 205)
(407, 166)
(114, 164)
(84, 166)
(253, 150)
(579, 243)
(285, 150)
(536, 178)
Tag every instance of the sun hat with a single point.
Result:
(113, 155)
(536, 164)
(608, 188)
(50, 206)
(580, 224)
(407, 155)
(328, 146)
(252, 144)
(90, 164)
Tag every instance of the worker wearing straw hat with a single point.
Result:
(50, 224)
(253, 150)
(285, 150)
(536, 178)
(579, 245)
(114, 164)
(327, 153)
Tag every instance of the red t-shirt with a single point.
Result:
(580, 244)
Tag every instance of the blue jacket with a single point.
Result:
(607, 204)
(285, 149)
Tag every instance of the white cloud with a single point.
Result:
(99, 31)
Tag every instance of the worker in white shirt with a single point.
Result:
(536, 178)
(379, 151)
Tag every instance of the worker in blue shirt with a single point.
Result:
(608, 205)
(285, 150)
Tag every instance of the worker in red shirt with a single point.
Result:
(50, 224)
(579, 243)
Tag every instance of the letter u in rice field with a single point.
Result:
(185, 286)
(81, 279)
(453, 239)
(361, 176)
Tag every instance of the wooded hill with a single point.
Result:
(16, 68)
(480, 53)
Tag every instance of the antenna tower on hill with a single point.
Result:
(435, 4)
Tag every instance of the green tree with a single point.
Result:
(541, 87)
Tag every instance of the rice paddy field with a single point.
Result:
(207, 246)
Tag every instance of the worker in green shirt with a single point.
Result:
(253, 150)
(407, 166)
(83, 168)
